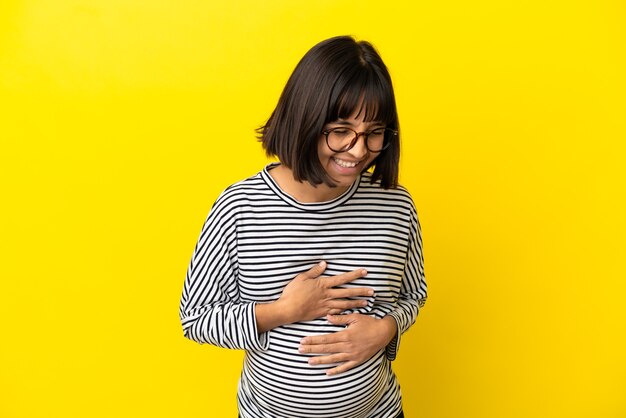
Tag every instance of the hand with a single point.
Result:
(309, 296)
(363, 337)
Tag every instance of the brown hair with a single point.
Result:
(335, 79)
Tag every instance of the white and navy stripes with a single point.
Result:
(256, 240)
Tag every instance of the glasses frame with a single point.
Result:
(387, 136)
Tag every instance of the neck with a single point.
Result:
(303, 191)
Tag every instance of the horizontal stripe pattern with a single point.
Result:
(255, 240)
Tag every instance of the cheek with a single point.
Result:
(322, 150)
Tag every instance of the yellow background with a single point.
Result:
(121, 121)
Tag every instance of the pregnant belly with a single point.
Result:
(279, 382)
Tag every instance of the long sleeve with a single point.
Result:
(413, 291)
(211, 309)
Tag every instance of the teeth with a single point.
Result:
(345, 164)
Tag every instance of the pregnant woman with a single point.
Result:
(314, 265)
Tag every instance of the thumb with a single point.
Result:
(316, 270)
(341, 319)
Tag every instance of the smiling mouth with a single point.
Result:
(346, 164)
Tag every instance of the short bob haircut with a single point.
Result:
(335, 79)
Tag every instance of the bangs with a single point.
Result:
(364, 93)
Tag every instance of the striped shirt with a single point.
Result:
(255, 240)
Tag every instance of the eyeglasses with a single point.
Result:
(343, 139)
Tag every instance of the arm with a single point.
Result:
(211, 310)
(413, 291)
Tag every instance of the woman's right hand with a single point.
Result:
(309, 296)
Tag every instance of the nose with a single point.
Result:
(359, 150)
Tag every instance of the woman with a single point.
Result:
(314, 265)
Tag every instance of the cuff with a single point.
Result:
(258, 342)
(391, 351)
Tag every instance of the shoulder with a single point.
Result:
(237, 194)
(246, 187)
(398, 195)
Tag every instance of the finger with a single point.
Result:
(341, 319)
(315, 271)
(338, 306)
(329, 359)
(344, 278)
(333, 338)
(322, 348)
(344, 367)
(350, 292)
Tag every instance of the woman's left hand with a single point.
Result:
(362, 338)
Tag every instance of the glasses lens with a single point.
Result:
(376, 140)
(340, 139)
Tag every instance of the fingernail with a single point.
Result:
(321, 263)
(370, 293)
(363, 272)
